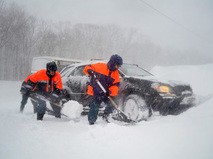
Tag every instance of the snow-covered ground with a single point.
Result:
(186, 136)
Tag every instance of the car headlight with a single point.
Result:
(162, 88)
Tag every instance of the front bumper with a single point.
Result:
(172, 104)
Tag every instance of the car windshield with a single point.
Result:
(133, 70)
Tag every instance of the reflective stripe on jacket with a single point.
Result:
(109, 79)
(43, 82)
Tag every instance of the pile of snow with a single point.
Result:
(72, 109)
(188, 135)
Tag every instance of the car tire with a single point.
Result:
(136, 108)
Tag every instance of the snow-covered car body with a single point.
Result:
(140, 92)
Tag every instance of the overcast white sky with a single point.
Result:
(194, 18)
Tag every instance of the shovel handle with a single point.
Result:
(113, 103)
(104, 90)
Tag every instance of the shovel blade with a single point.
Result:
(120, 116)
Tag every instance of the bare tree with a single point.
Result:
(23, 37)
(17, 29)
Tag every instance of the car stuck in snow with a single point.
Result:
(140, 93)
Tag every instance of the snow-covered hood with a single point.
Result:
(154, 79)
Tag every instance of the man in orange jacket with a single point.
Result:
(107, 74)
(46, 82)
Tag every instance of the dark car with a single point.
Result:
(140, 93)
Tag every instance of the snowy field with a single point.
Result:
(186, 136)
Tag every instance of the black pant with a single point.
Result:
(94, 107)
(24, 102)
(41, 109)
(57, 110)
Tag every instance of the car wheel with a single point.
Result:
(136, 108)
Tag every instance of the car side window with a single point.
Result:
(66, 72)
(79, 71)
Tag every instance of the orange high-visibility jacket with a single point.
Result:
(109, 79)
(43, 82)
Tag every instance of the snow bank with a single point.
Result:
(199, 77)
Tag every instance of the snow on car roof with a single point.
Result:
(56, 58)
(86, 62)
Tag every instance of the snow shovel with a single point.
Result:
(35, 96)
(120, 114)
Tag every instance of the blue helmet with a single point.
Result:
(114, 60)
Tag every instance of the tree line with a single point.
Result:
(22, 37)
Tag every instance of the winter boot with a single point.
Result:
(40, 116)
(57, 113)
(91, 123)
(22, 108)
(58, 116)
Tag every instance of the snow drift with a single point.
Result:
(188, 135)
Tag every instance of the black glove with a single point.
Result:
(24, 90)
(90, 72)
(103, 95)
(107, 94)
(27, 87)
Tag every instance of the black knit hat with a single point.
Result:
(51, 66)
